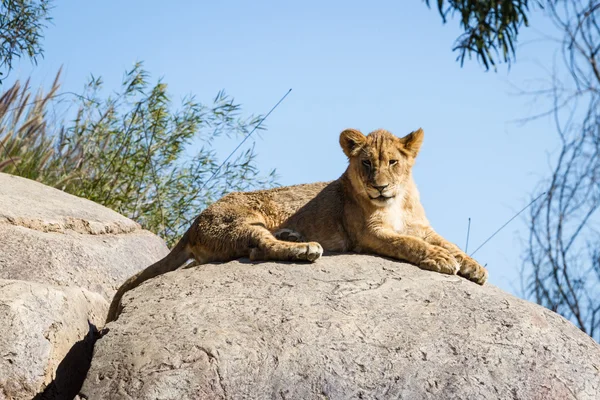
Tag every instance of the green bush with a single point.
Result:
(130, 151)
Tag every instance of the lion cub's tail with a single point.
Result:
(175, 259)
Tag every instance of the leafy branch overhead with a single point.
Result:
(490, 27)
(21, 26)
(131, 151)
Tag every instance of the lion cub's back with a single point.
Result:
(282, 202)
(295, 196)
(276, 204)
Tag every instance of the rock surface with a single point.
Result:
(49, 236)
(61, 260)
(39, 324)
(346, 327)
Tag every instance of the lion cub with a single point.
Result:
(373, 207)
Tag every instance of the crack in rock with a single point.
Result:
(77, 225)
(213, 359)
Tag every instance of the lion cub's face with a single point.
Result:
(380, 163)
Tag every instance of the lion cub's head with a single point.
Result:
(380, 163)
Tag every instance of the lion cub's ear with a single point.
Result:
(351, 141)
(412, 142)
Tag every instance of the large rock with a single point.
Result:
(346, 327)
(49, 236)
(61, 260)
(39, 326)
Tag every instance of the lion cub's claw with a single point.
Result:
(440, 260)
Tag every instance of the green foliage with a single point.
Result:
(131, 152)
(490, 27)
(21, 25)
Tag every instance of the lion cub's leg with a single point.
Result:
(413, 249)
(291, 248)
(469, 268)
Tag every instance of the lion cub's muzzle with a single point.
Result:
(380, 193)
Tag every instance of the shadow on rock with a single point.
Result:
(72, 370)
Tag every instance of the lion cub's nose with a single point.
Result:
(380, 188)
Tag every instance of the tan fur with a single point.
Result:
(374, 207)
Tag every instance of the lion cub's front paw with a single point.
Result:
(481, 276)
(471, 270)
(440, 260)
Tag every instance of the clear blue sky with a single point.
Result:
(366, 65)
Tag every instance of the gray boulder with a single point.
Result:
(61, 260)
(39, 326)
(49, 236)
(346, 327)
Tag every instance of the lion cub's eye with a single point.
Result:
(393, 162)
(367, 163)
